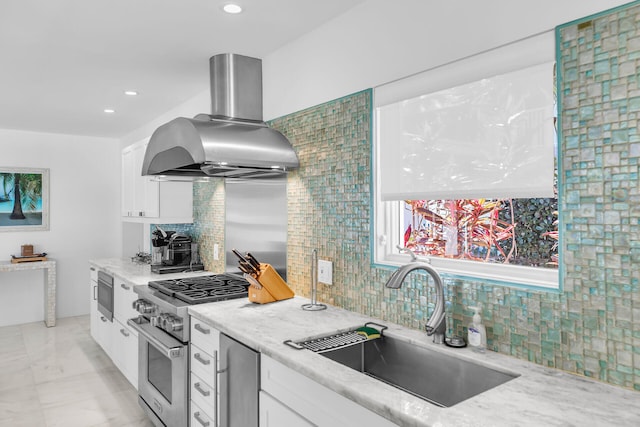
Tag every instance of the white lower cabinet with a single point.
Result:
(126, 354)
(104, 334)
(203, 365)
(114, 336)
(274, 414)
(300, 396)
(93, 303)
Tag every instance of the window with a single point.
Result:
(465, 167)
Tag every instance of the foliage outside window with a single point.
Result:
(510, 231)
(507, 231)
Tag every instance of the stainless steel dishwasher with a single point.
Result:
(239, 384)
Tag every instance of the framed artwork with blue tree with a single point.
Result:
(24, 199)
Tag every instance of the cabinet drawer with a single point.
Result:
(314, 402)
(275, 414)
(94, 273)
(203, 393)
(123, 297)
(202, 363)
(204, 336)
(126, 355)
(200, 418)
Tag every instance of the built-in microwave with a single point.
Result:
(105, 295)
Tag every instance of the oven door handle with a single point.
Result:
(168, 347)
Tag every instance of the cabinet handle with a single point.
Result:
(201, 359)
(125, 287)
(196, 415)
(205, 331)
(124, 332)
(215, 387)
(201, 390)
(104, 319)
(94, 293)
(92, 269)
(141, 213)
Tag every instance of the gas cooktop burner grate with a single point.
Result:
(202, 289)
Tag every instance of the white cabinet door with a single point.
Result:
(274, 414)
(147, 191)
(93, 303)
(140, 195)
(127, 180)
(126, 351)
(320, 405)
(105, 334)
(146, 200)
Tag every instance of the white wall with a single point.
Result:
(84, 219)
(375, 43)
(197, 105)
(380, 41)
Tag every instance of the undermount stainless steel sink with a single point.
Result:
(431, 375)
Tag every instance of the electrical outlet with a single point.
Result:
(216, 252)
(325, 273)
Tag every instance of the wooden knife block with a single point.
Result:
(273, 287)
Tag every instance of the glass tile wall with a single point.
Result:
(592, 327)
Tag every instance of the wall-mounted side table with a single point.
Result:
(49, 268)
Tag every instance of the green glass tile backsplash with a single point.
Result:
(591, 327)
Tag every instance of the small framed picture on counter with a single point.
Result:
(24, 199)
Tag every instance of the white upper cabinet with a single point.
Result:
(147, 200)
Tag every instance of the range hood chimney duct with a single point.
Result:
(233, 141)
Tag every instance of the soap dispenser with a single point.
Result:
(477, 334)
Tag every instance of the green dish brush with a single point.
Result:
(368, 332)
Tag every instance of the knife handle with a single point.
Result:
(238, 254)
(254, 262)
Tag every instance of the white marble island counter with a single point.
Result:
(135, 273)
(538, 397)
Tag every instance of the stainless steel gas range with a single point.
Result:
(163, 339)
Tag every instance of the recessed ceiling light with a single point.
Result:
(109, 110)
(232, 8)
(130, 92)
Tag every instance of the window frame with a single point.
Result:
(384, 239)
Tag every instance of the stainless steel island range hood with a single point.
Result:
(233, 141)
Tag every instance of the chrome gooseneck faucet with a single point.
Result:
(436, 324)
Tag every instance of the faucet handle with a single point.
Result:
(413, 254)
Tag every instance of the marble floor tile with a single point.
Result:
(66, 390)
(15, 371)
(59, 360)
(59, 376)
(18, 402)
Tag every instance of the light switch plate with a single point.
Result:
(216, 252)
(325, 272)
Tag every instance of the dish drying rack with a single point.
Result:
(339, 340)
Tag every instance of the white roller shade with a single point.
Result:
(489, 138)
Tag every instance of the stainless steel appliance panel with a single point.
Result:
(105, 295)
(256, 221)
(239, 384)
(162, 374)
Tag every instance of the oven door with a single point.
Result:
(162, 374)
(105, 295)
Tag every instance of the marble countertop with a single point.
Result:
(135, 273)
(539, 396)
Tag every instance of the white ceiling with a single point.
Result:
(63, 62)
